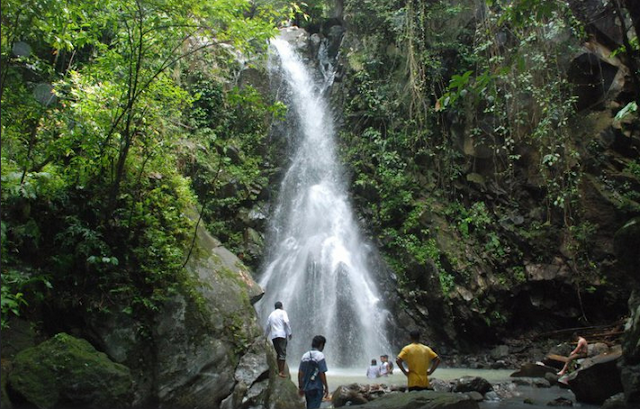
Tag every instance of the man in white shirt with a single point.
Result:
(384, 365)
(280, 330)
(373, 371)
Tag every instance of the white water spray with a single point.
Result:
(317, 261)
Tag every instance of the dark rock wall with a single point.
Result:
(551, 291)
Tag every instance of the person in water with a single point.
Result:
(386, 368)
(581, 351)
(421, 362)
(312, 380)
(280, 330)
(373, 371)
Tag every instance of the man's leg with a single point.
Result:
(314, 398)
(280, 345)
(565, 368)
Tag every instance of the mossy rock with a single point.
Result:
(422, 400)
(68, 372)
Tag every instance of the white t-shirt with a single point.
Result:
(384, 369)
(373, 372)
(278, 324)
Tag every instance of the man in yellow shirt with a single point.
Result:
(421, 362)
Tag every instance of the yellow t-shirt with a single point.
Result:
(418, 358)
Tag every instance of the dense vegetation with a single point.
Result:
(475, 158)
(115, 115)
(121, 118)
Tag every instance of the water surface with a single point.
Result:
(525, 397)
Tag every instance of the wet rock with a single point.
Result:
(441, 386)
(208, 348)
(597, 380)
(615, 402)
(531, 370)
(551, 377)
(560, 402)
(535, 382)
(492, 396)
(501, 351)
(69, 372)
(422, 400)
(500, 364)
(471, 383)
(541, 383)
(477, 396)
(347, 395)
(630, 376)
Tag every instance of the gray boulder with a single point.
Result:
(597, 380)
(422, 400)
(348, 395)
(531, 370)
(204, 348)
(67, 372)
(472, 384)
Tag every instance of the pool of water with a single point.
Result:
(522, 396)
(336, 377)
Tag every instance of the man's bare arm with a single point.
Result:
(323, 378)
(400, 363)
(434, 365)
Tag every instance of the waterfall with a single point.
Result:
(316, 261)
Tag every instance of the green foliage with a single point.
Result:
(422, 91)
(520, 12)
(228, 170)
(633, 42)
(92, 114)
(19, 288)
(469, 220)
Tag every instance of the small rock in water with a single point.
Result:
(528, 401)
(491, 396)
(560, 402)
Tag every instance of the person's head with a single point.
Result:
(318, 342)
(414, 335)
(374, 362)
(278, 305)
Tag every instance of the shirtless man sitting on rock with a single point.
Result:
(578, 353)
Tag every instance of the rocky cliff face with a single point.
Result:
(526, 271)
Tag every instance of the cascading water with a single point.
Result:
(317, 261)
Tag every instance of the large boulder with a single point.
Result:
(204, 348)
(69, 372)
(348, 395)
(472, 384)
(423, 400)
(531, 370)
(597, 380)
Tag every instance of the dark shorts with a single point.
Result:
(280, 344)
(314, 398)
